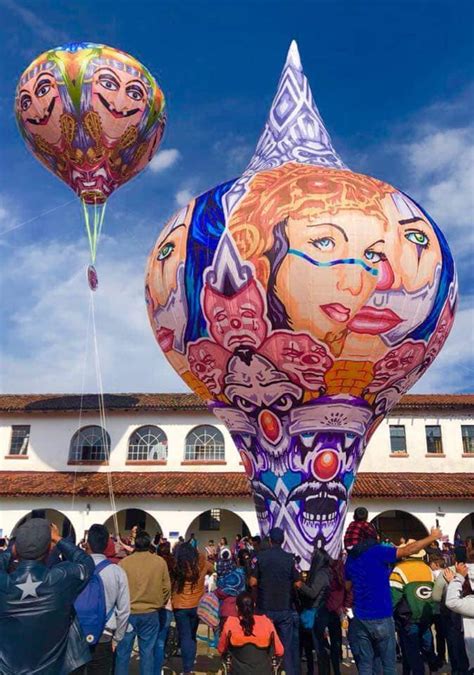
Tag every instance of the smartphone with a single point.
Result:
(3, 541)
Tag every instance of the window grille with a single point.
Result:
(19, 439)
(467, 431)
(204, 443)
(398, 441)
(210, 520)
(148, 443)
(90, 444)
(434, 441)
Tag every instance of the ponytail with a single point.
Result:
(245, 609)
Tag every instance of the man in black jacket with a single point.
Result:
(275, 578)
(38, 633)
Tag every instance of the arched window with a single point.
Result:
(90, 444)
(204, 443)
(148, 443)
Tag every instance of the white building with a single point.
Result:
(173, 467)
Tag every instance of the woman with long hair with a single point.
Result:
(187, 589)
(248, 637)
(314, 615)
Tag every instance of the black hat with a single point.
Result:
(33, 539)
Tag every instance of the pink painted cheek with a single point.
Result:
(385, 276)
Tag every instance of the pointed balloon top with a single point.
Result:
(293, 58)
(294, 131)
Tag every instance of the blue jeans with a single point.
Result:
(147, 628)
(373, 639)
(286, 623)
(165, 620)
(416, 642)
(187, 622)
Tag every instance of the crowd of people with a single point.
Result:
(81, 609)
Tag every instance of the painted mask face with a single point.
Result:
(265, 395)
(397, 364)
(208, 362)
(302, 358)
(411, 277)
(96, 181)
(237, 320)
(332, 267)
(119, 98)
(40, 106)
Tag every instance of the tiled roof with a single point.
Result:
(45, 403)
(221, 484)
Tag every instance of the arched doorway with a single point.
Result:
(63, 523)
(217, 523)
(395, 524)
(466, 526)
(127, 518)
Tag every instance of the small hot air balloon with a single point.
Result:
(94, 116)
(301, 301)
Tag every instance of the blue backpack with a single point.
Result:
(90, 606)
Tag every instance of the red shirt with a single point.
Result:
(261, 634)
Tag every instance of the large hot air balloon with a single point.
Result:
(94, 116)
(301, 301)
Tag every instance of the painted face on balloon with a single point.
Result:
(305, 361)
(332, 266)
(120, 99)
(236, 320)
(208, 362)
(40, 106)
(409, 284)
(329, 466)
(266, 396)
(165, 282)
(397, 364)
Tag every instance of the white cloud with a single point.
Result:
(442, 162)
(48, 317)
(453, 369)
(164, 159)
(182, 197)
(35, 23)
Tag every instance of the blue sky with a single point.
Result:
(393, 82)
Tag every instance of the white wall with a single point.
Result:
(377, 455)
(172, 515)
(51, 435)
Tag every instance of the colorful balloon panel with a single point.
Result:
(301, 301)
(91, 114)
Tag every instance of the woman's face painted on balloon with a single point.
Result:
(165, 281)
(410, 274)
(40, 106)
(332, 266)
(119, 98)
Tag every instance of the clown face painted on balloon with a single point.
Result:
(93, 114)
(314, 298)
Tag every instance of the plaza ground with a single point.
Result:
(209, 661)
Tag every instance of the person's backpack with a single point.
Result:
(208, 609)
(90, 606)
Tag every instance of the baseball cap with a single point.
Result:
(33, 539)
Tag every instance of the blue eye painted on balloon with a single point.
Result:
(323, 243)
(418, 237)
(373, 256)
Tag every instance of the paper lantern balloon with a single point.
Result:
(301, 301)
(94, 116)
